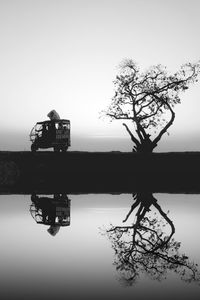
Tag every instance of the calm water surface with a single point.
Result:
(78, 262)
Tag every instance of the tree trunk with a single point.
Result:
(142, 145)
(146, 146)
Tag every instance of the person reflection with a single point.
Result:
(54, 212)
(146, 245)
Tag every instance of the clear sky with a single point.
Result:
(63, 55)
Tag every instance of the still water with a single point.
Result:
(154, 254)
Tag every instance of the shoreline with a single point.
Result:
(99, 172)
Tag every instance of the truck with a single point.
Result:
(51, 134)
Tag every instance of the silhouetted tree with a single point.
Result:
(148, 99)
(146, 247)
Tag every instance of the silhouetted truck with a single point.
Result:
(51, 211)
(51, 134)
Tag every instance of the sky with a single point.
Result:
(64, 55)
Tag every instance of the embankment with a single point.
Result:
(99, 172)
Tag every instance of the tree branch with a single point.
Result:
(133, 138)
(136, 203)
(159, 136)
(118, 117)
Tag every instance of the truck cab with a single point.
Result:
(51, 134)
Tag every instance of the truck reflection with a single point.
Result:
(54, 212)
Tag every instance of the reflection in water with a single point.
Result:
(54, 212)
(77, 263)
(147, 246)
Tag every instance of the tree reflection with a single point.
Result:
(147, 246)
(54, 212)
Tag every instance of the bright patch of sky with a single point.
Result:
(63, 55)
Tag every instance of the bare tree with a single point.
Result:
(147, 245)
(148, 99)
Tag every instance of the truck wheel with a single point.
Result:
(56, 149)
(64, 149)
(33, 148)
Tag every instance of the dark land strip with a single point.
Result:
(98, 172)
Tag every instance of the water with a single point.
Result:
(78, 262)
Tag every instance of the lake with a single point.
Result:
(96, 255)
